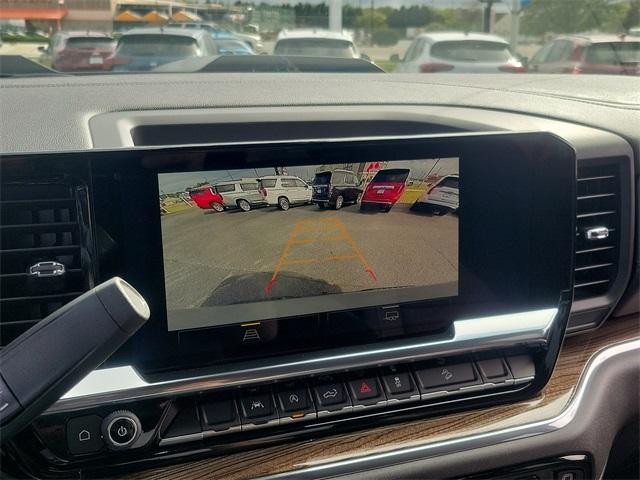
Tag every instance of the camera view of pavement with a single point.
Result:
(267, 254)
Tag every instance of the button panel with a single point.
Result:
(353, 393)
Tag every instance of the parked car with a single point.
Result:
(602, 54)
(459, 53)
(207, 198)
(283, 191)
(441, 198)
(143, 49)
(316, 43)
(335, 188)
(385, 189)
(232, 47)
(79, 51)
(242, 194)
(253, 41)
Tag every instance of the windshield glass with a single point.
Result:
(314, 47)
(88, 42)
(398, 175)
(471, 51)
(157, 45)
(399, 37)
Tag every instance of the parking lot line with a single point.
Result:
(318, 226)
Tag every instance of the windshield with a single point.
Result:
(151, 45)
(399, 37)
(398, 175)
(471, 51)
(322, 178)
(315, 47)
(88, 42)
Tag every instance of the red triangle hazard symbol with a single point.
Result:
(365, 388)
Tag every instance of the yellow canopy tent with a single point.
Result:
(127, 16)
(184, 16)
(154, 17)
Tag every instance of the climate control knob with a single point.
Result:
(121, 429)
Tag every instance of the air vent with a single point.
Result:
(43, 256)
(598, 228)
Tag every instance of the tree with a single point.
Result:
(632, 17)
(414, 16)
(368, 19)
(572, 16)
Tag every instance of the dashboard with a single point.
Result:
(348, 274)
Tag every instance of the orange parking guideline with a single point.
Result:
(323, 223)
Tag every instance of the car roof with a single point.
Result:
(270, 177)
(453, 36)
(336, 170)
(599, 38)
(241, 180)
(180, 32)
(84, 34)
(314, 33)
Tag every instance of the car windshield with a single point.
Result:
(399, 37)
(322, 178)
(614, 53)
(471, 51)
(449, 182)
(398, 175)
(315, 47)
(157, 45)
(90, 42)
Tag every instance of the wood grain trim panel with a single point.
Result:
(573, 358)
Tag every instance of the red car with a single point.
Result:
(79, 51)
(385, 189)
(600, 54)
(207, 198)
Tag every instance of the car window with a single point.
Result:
(249, 186)
(288, 182)
(397, 175)
(416, 50)
(337, 178)
(225, 188)
(299, 183)
(267, 183)
(350, 179)
(90, 42)
(323, 178)
(157, 45)
(542, 54)
(315, 47)
(471, 51)
(613, 53)
(561, 50)
(450, 182)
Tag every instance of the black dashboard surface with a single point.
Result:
(51, 114)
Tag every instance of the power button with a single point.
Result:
(121, 429)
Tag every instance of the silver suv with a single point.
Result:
(242, 194)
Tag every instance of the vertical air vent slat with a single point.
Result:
(43, 256)
(597, 224)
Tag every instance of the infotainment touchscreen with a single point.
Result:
(254, 244)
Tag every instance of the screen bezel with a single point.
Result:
(121, 180)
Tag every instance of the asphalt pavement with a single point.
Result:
(265, 254)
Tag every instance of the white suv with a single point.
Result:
(283, 191)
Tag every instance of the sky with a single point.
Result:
(179, 182)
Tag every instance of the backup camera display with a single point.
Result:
(250, 245)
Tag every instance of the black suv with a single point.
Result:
(335, 188)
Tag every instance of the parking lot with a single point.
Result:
(265, 254)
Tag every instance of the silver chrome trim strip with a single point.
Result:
(471, 442)
(125, 383)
